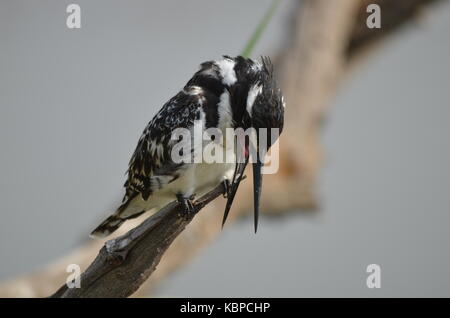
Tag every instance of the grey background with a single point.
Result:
(74, 102)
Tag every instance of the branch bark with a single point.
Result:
(125, 263)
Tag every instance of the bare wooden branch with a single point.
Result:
(124, 263)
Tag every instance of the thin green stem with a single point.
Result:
(260, 28)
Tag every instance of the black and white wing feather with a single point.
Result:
(151, 166)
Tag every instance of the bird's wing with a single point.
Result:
(151, 166)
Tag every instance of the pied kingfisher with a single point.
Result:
(226, 93)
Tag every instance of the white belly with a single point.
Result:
(197, 180)
(208, 176)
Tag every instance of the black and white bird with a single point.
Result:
(226, 93)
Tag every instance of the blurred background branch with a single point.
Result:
(325, 39)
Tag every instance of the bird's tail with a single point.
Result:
(125, 212)
(108, 226)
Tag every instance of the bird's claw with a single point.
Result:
(187, 205)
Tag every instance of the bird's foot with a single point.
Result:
(187, 205)
(227, 186)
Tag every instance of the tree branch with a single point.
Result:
(124, 263)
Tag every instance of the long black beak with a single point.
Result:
(257, 185)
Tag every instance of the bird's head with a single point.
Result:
(257, 103)
(264, 105)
